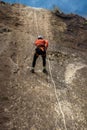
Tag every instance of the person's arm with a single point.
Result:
(36, 43)
(46, 44)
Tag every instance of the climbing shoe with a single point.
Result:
(32, 71)
(45, 71)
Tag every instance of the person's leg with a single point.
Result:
(44, 62)
(34, 61)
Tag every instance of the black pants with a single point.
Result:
(36, 55)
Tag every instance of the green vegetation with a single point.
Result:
(85, 23)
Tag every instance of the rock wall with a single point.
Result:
(56, 101)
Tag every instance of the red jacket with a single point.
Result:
(41, 43)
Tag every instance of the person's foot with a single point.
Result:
(45, 71)
(32, 70)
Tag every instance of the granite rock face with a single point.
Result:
(57, 101)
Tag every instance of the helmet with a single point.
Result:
(40, 37)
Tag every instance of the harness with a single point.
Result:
(41, 47)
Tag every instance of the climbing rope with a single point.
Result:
(51, 77)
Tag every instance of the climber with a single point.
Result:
(41, 47)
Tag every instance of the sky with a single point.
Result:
(67, 6)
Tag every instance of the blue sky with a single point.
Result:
(67, 6)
